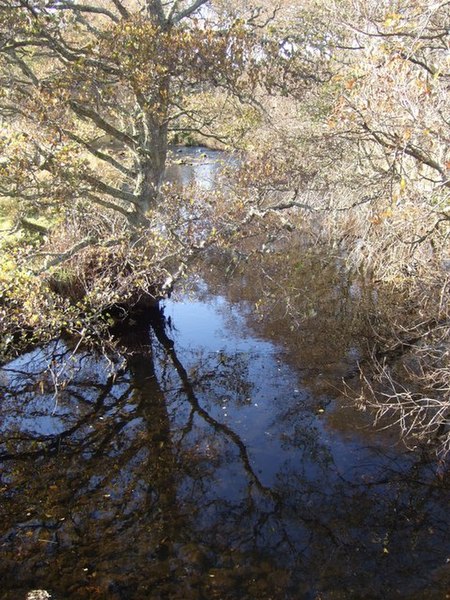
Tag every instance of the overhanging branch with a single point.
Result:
(65, 256)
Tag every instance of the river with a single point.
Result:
(215, 457)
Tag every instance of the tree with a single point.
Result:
(395, 97)
(393, 108)
(75, 75)
(364, 164)
(91, 93)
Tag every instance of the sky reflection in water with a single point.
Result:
(207, 469)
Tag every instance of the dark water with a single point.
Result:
(214, 458)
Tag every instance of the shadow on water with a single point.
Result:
(212, 460)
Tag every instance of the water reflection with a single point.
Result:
(212, 459)
(202, 468)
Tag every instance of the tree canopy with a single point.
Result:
(90, 93)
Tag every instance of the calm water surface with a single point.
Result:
(214, 459)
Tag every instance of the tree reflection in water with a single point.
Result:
(189, 472)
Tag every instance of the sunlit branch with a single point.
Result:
(82, 8)
(101, 123)
(114, 192)
(176, 17)
(98, 154)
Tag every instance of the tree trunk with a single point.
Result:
(151, 131)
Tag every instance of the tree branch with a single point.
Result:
(26, 70)
(84, 243)
(121, 8)
(100, 155)
(187, 12)
(101, 186)
(85, 8)
(83, 111)
(409, 149)
(110, 205)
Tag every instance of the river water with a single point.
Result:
(216, 458)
